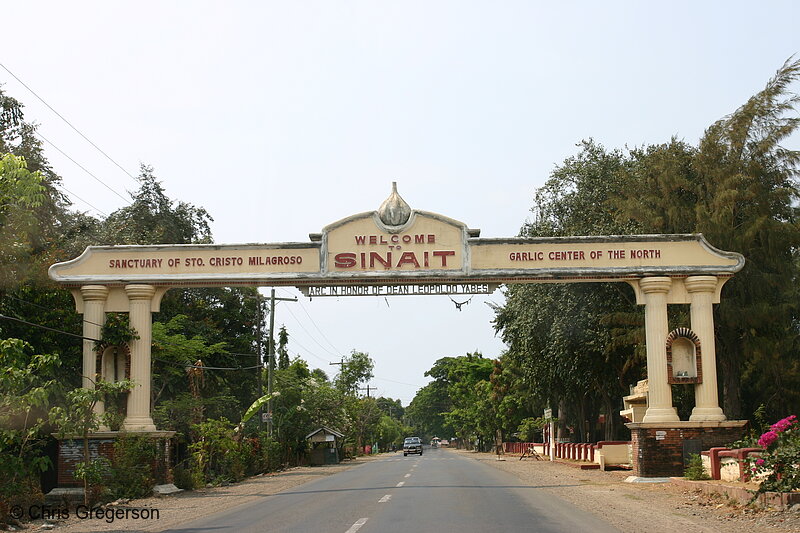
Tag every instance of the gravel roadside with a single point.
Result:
(636, 507)
(190, 505)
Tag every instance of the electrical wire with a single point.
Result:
(81, 199)
(189, 365)
(104, 184)
(184, 365)
(68, 122)
(101, 325)
(309, 334)
(313, 322)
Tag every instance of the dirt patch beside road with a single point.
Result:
(639, 507)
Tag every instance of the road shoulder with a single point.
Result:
(639, 507)
(177, 509)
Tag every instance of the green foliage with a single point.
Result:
(27, 386)
(214, 452)
(356, 370)
(116, 331)
(282, 352)
(77, 418)
(531, 428)
(131, 473)
(694, 468)
(94, 474)
(153, 218)
(467, 399)
(21, 193)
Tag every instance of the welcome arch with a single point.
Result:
(399, 250)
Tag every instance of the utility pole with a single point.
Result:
(271, 366)
(368, 388)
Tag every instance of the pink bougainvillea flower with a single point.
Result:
(782, 425)
(767, 438)
(760, 462)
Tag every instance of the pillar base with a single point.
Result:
(662, 449)
(139, 423)
(707, 414)
(101, 444)
(661, 414)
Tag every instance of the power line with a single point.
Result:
(316, 326)
(185, 365)
(398, 382)
(48, 328)
(81, 199)
(101, 325)
(309, 334)
(104, 184)
(68, 122)
(189, 365)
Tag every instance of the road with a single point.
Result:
(438, 491)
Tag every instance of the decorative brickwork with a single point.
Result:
(658, 449)
(684, 333)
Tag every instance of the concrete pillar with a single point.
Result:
(659, 407)
(701, 291)
(94, 316)
(140, 300)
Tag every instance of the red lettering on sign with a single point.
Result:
(408, 258)
(345, 260)
(387, 263)
(444, 254)
(360, 239)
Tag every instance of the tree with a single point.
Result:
(575, 346)
(283, 353)
(27, 386)
(78, 419)
(355, 370)
(153, 218)
(21, 193)
(738, 188)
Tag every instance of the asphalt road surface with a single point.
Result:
(438, 491)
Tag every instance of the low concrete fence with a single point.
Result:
(518, 448)
(728, 465)
(603, 453)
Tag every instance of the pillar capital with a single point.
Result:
(701, 284)
(655, 285)
(140, 292)
(94, 293)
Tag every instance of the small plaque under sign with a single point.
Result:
(661, 435)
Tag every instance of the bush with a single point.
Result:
(188, 477)
(778, 465)
(694, 468)
(132, 472)
(95, 473)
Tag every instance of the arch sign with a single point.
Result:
(397, 250)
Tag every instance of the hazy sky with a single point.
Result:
(282, 117)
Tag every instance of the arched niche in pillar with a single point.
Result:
(684, 357)
(114, 363)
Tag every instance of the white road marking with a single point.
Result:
(407, 475)
(355, 527)
(385, 498)
(400, 484)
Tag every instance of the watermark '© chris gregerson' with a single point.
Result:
(83, 512)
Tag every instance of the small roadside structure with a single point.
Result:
(324, 450)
